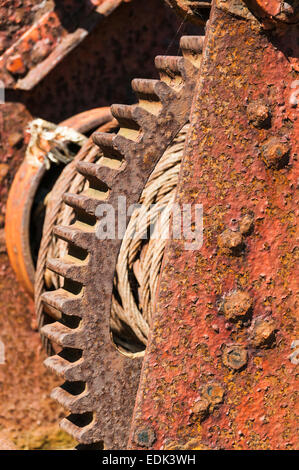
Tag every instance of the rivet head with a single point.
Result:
(213, 392)
(145, 437)
(258, 114)
(237, 305)
(230, 241)
(246, 224)
(275, 153)
(200, 410)
(264, 333)
(211, 395)
(235, 357)
(15, 65)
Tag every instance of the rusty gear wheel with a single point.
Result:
(100, 381)
(69, 180)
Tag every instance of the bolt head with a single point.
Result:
(258, 114)
(15, 65)
(235, 357)
(275, 153)
(145, 437)
(200, 410)
(246, 224)
(230, 241)
(213, 393)
(264, 333)
(237, 305)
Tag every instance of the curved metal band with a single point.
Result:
(21, 197)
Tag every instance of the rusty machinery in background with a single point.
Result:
(55, 64)
(33, 181)
(219, 370)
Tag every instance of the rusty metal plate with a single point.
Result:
(55, 30)
(221, 365)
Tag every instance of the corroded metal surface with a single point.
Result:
(7, 445)
(17, 221)
(57, 30)
(220, 369)
(74, 84)
(101, 382)
(276, 10)
(92, 74)
(16, 17)
(21, 197)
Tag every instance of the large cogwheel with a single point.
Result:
(100, 380)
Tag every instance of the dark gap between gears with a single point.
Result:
(72, 286)
(81, 420)
(70, 354)
(74, 388)
(77, 252)
(71, 322)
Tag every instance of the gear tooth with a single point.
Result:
(101, 172)
(142, 115)
(71, 371)
(165, 92)
(144, 86)
(124, 145)
(171, 63)
(106, 175)
(80, 202)
(73, 403)
(83, 434)
(64, 336)
(129, 126)
(107, 144)
(63, 301)
(74, 235)
(192, 43)
(192, 47)
(123, 112)
(103, 139)
(171, 69)
(139, 114)
(70, 270)
(132, 116)
(147, 95)
(87, 169)
(153, 89)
